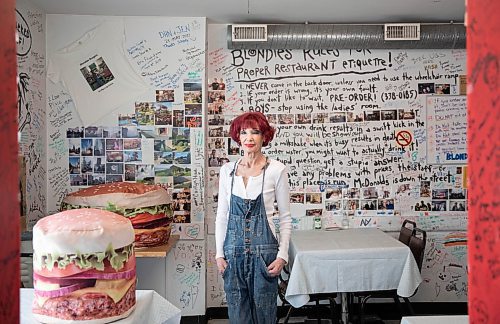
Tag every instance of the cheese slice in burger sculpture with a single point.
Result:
(147, 206)
(83, 267)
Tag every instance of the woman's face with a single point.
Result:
(251, 140)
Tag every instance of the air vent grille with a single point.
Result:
(249, 33)
(395, 32)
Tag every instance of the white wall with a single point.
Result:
(166, 54)
(299, 85)
(31, 105)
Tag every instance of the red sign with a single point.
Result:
(404, 138)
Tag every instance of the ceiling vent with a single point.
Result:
(401, 32)
(249, 33)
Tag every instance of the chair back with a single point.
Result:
(283, 284)
(406, 232)
(417, 246)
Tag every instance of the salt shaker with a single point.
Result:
(317, 222)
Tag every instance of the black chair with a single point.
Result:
(406, 232)
(416, 243)
(282, 286)
(417, 248)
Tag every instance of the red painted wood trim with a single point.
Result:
(9, 205)
(483, 73)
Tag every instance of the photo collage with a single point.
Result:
(449, 195)
(216, 111)
(433, 197)
(220, 146)
(102, 154)
(219, 124)
(339, 199)
(441, 198)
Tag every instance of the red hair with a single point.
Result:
(254, 120)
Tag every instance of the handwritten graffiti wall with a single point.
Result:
(157, 137)
(444, 270)
(186, 277)
(351, 127)
(31, 93)
(215, 285)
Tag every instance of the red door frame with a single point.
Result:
(9, 205)
(483, 102)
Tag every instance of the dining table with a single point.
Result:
(348, 260)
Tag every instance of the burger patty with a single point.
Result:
(153, 238)
(85, 307)
(154, 223)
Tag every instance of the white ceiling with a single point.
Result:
(269, 11)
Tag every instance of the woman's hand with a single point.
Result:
(276, 266)
(221, 264)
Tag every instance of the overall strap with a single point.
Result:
(233, 173)
(264, 175)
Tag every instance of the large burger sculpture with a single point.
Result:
(83, 267)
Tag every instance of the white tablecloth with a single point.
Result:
(450, 319)
(348, 261)
(150, 308)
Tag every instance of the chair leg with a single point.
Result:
(400, 308)
(410, 308)
(318, 317)
(362, 304)
(358, 309)
(332, 310)
(287, 318)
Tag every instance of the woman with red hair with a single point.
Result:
(249, 255)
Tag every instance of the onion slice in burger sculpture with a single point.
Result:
(147, 206)
(83, 267)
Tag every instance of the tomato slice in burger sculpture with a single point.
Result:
(147, 206)
(83, 267)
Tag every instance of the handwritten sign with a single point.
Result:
(447, 129)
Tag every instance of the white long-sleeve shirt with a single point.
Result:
(276, 188)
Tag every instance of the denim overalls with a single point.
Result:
(249, 248)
